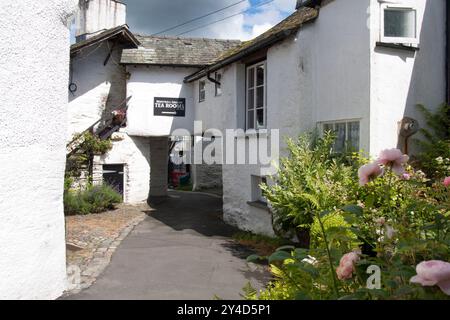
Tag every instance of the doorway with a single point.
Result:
(113, 175)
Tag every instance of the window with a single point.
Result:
(256, 96)
(347, 135)
(257, 194)
(399, 25)
(201, 90)
(218, 86)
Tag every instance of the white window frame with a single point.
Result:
(347, 123)
(218, 87)
(200, 91)
(247, 89)
(257, 193)
(398, 40)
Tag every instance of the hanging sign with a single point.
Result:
(170, 107)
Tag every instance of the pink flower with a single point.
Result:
(406, 176)
(369, 172)
(432, 273)
(347, 265)
(447, 182)
(395, 159)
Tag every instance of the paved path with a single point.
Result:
(182, 250)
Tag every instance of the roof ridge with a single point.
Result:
(183, 38)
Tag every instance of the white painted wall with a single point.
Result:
(144, 85)
(33, 81)
(400, 79)
(98, 15)
(341, 64)
(101, 89)
(321, 74)
(134, 153)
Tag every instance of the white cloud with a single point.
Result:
(150, 17)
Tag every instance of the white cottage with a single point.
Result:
(356, 66)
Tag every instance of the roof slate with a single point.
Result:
(122, 32)
(281, 31)
(177, 51)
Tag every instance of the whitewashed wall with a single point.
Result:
(321, 74)
(401, 79)
(33, 81)
(100, 88)
(134, 154)
(144, 85)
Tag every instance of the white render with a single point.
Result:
(35, 71)
(400, 79)
(134, 153)
(100, 89)
(99, 15)
(146, 83)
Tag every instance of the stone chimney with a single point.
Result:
(95, 16)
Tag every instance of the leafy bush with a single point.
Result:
(94, 199)
(394, 220)
(311, 179)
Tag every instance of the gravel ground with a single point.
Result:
(91, 239)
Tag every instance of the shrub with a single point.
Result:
(403, 220)
(310, 179)
(94, 199)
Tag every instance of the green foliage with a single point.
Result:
(91, 145)
(95, 199)
(311, 179)
(94, 145)
(394, 223)
(435, 145)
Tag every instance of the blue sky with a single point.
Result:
(148, 17)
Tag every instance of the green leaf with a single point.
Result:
(353, 209)
(286, 248)
(279, 256)
(254, 258)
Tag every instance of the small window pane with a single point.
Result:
(339, 145)
(260, 97)
(260, 75)
(400, 23)
(260, 118)
(218, 86)
(251, 99)
(353, 136)
(202, 92)
(251, 78)
(251, 120)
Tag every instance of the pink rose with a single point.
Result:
(447, 182)
(369, 172)
(395, 159)
(406, 176)
(432, 273)
(347, 265)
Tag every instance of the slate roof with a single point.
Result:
(281, 31)
(172, 51)
(122, 33)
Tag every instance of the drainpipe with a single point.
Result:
(208, 76)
